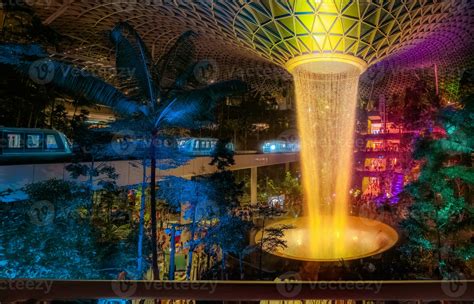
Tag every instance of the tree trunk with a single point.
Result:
(91, 184)
(172, 253)
(223, 265)
(191, 246)
(208, 262)
(142, 221)
(438, 249)
(154, 247)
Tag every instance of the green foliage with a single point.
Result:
(273, 238)
(46, 237)
(55, 235)
(222, 156)
(291, 188)
(441, 215)
(231, 233)
(416, 108)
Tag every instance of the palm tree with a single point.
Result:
(160, 94)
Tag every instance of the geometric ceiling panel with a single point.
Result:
(254, 38)
(281, 30)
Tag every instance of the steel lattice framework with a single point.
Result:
(254, 38)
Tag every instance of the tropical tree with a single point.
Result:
(159, 95)
(439, 223)
(291, 188)
(97, 175)
(228, 231)
(271, 238)
(231, 234)
(169, 91)
(191, 198)
(48, 236)
(416, 108)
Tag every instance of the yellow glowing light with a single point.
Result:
(326, 60)
(364, 237)
(326, 97)
(326, 88)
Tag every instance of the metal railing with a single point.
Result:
(47, 290)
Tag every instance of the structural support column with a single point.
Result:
(287, 167)
(253, 186)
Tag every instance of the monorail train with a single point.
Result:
(280, 146)
(200, 146)
(22, 144)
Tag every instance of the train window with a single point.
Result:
(33, 141)
(196, 144)
(208, 144)
(203, 144)
(14, 141)
(51, 142)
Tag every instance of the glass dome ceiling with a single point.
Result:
(261, 35)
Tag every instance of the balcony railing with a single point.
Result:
(45, 290)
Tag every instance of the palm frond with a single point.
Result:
(76, 82)
(464, 173)
(452, 146)
(12, 54)
(134, 63)
(31, 59)
(177, 60)
(194, 109)
(183, 79)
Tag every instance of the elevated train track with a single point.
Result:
(15, 177)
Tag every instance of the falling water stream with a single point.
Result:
(326, 96)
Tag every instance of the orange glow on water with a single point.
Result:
(326, 97)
